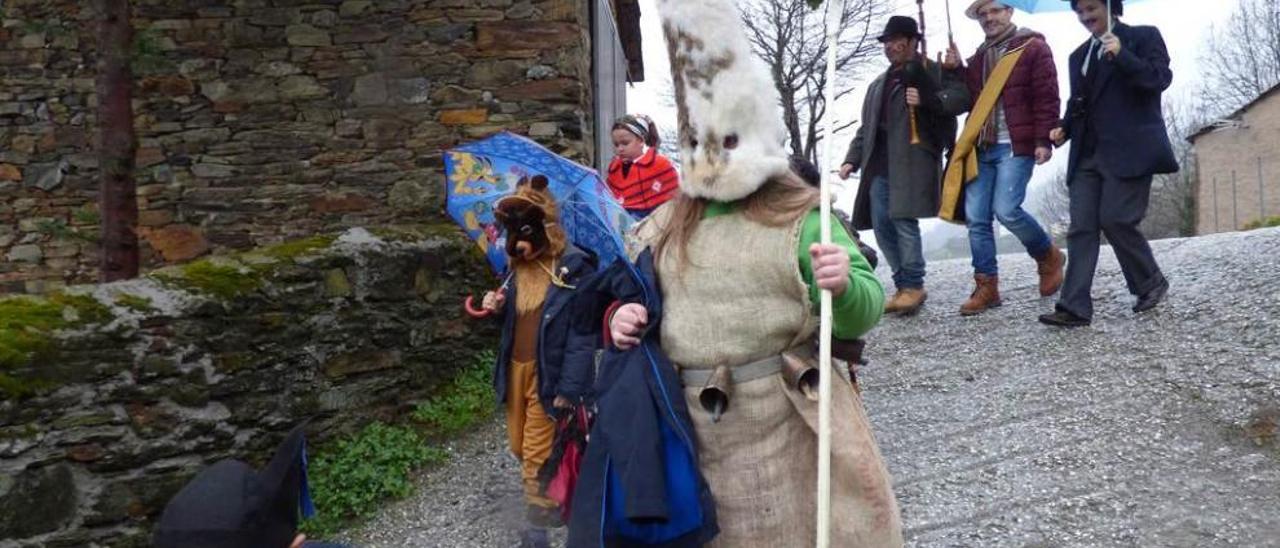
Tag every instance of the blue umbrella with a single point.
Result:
(481, 172)
(1046, 6)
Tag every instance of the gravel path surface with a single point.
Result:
(1151, 430)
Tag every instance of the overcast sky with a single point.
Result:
(1185, 25)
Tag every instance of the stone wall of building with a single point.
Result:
(1239, 170)
(261, 121)
(112, 396)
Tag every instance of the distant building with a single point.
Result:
(1238, 166)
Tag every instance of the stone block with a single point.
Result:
(37, 501)
(308, 35)
(341, 203)
(543, 129)
(46, 177)
(411, 91)
(464, 116)
(136, 497)
(29, 253)
(167, 85)
(352, 8)
(555, 89)
(526, 36)
(370, 90)
(155, 217)
(10, 172)
(491, 74)
(344, 365)
(301, 87)
(176, 243)
(361, 34)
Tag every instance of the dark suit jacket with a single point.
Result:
(1121, 106)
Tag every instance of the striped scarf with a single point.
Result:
(991, 51)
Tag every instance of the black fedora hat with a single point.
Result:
(1117, 6)
(899, 25)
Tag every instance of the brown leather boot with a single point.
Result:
(893, 304)
(911, 301)
(986, 294)
(1049, 267)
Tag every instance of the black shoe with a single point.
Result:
(1152, 298)
(1062, 318)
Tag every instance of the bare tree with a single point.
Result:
(791, 38)
(1241, 59)
(1052, 204)
(1172, 212)
(118, 198)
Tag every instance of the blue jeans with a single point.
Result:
(899, 239)
(997, 193)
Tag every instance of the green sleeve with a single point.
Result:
(858, 309)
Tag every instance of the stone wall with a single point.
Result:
(266, 120)
(1238, 170)
(112, 396)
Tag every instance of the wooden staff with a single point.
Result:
(911, 111)
(826, 372)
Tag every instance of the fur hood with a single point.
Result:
(731, 132)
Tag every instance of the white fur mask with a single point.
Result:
(731, 132)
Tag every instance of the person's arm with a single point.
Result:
(854, 156)
(1144, 64)
(1045, 103)
(859, 308)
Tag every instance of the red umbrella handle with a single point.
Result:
(470, 307)
(472, 311)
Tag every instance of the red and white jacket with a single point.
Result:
(646, 183)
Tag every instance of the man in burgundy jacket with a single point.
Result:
(1014, 139)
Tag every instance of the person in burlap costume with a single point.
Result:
(740, 267)
(543, 366)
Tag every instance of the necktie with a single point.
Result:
(1089, 55)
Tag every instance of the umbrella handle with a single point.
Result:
(469, 307)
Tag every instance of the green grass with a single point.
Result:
(467, 400)
(225, 281)
(27, 325)
(1263, 223)
(352, 477)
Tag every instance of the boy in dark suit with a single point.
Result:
(1119, 141)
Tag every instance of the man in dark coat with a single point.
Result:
(1118, 140)
(901, 178)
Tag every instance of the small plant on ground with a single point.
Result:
(466, 401)
(350, 478)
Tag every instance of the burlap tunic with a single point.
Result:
(741, 298)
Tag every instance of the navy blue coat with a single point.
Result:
(565, 358)
(641, 419)
(1121, 106)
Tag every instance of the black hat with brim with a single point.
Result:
(899, 25)
(1117, 6)
(231, 505)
